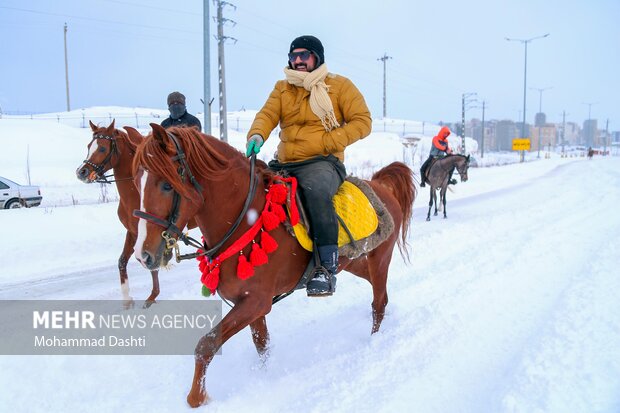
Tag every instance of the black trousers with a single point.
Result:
(318, 180)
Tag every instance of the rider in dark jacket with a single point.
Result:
(178, 113)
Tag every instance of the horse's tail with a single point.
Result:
(399, 177)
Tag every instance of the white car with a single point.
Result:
(14, 195)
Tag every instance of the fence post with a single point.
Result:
(137, 123)
(83, 120)
(58, 116)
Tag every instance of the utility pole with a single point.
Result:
(540, 91)
(67, 69)
(465, 99)
(606, 137)
(525, 42)
(482, 140)
(384, 59)
(221, 67)
(563, 130)
(207, 69)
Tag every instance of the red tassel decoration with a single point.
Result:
(279, 212)
(270, 220)
(278, 193)
(244, 269)
(267, 242)
(258, 256)
(211, 279)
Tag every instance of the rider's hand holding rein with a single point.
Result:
(253, 145)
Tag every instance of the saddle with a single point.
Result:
(364, 221)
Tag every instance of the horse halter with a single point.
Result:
(99, 168)
(170, 222)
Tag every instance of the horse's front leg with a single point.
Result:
(130, 240)
(154, 291)
(435, 200)
(444, 189)
(430, 203)
(242, 314)
(260, 336)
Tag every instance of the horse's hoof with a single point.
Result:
(428, 218)
(197, 400)
(129, 303)
(148, 303)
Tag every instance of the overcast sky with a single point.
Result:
(134, 52)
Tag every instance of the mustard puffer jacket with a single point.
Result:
(302, 134)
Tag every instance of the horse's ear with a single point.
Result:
(92, 125)
(133, 133)
(110, 129)
(159, 133)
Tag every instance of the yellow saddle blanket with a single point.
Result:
(354, 208)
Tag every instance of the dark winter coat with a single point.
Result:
(185, 120)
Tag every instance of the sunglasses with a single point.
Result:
(304, 56)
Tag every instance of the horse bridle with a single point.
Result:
(99, 168)
(170, 222)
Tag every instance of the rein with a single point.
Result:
(169, 223)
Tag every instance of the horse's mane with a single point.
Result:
(205, 155)
(132, 141)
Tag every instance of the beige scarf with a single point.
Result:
(314, 82)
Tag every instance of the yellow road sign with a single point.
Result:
(521, 144)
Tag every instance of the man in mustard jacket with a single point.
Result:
(319, 114)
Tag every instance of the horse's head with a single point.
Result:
(102, 150)
(169, 195)
(462, 166)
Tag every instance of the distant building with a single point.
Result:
(589, 134)
(540, 119)
(505, 132)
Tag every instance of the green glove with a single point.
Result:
(253, 145)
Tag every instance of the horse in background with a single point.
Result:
(438, 176)
(183, 173)
(113, 149)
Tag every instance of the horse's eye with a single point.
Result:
(166, 186)
(101, 149)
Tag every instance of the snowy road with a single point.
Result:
(509, 305)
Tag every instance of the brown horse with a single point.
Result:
(113, 149)
(438, 175)
(186, 173)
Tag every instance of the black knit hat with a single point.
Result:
(311, 43)
(176, 97)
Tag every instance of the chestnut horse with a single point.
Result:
(113, 149)
(184, 173)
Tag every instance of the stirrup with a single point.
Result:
(322, 284)
(452, 181)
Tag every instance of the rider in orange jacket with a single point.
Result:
(439, 150)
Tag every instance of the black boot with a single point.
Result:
(422, 184)
(450, 180)
(323, 282)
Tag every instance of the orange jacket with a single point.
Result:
(440, 141)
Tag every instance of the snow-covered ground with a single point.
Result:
(509, 305)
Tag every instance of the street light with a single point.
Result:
(525, 42)
(540, 90)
